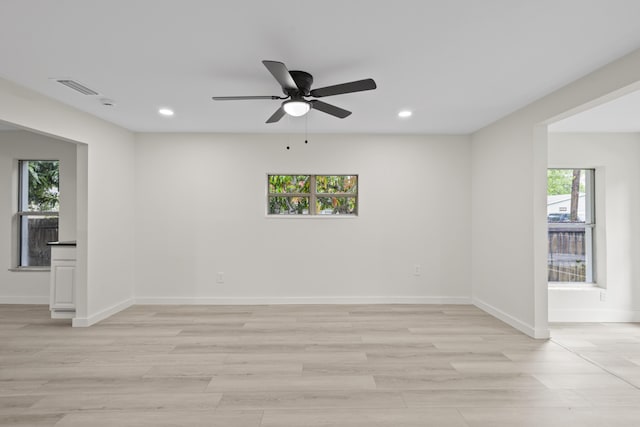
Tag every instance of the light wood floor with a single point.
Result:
(313, 366)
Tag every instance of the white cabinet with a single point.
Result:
(63, 282)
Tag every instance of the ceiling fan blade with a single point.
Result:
(281, 74)
(329, 109)
(241, 98)
(357, 86)
(275, 117)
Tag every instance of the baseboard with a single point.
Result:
(603, 316)
(511, 321)
(298, 300)
(25, 300)
(84, 322)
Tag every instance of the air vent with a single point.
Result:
(77, 87)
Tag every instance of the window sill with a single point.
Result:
(575, 286)
(320, 217)
(30, 269)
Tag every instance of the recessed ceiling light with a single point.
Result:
(165, 111)
(405, 113)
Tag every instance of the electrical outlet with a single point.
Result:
(220, 277)
(417, 270)
(603, 296)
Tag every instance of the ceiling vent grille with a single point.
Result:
(77, 87)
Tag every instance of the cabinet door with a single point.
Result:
(63, 286)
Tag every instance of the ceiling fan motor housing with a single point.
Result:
(303, 80)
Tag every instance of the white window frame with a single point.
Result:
(589, 227)
(24, 213)
(313, 196)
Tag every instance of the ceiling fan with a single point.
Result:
(296, 85)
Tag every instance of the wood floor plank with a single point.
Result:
(73, 401)
(222, 383)
(522, 417)
(457, 382)
(153, 418)
(408, 417)
(498, 398)
(27, 419)
(312, 400)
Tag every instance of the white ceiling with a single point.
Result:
(458, 64)
(619, 115)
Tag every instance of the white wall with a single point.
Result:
(615, 157)
(105, 196)
(509, 161)
(200, 209)
(30, 286)
(502, 218)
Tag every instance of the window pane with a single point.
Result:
(42, 192)
(36, 231)
(567, 255)
(566, 195)
(289, 183)
(336, 205)
(337, 184)
(288, 205)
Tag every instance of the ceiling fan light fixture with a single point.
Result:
(296, 108)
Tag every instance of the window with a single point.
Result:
(38, 206)
(312, 195)
(571, 222)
